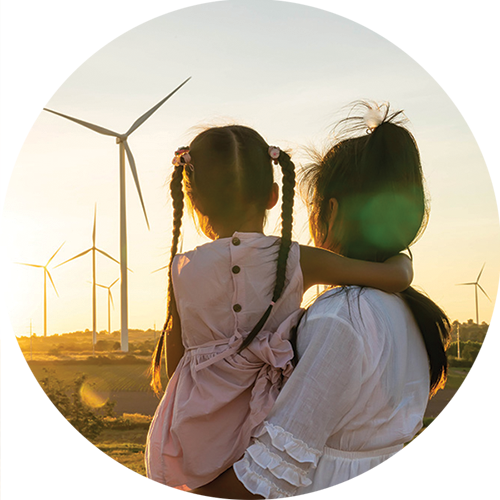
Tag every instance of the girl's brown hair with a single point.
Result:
(230, 177)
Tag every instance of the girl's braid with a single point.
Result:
(178, 205)
(288, 170)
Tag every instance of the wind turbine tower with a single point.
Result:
(476, 287)
(124, 149)
(92, 249)
(110, 301)
(45, 274)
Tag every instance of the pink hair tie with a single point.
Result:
(274, 153)
(273, 303)
(182, 158)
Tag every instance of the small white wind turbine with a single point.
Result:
(476, 286)
(92, 249)
(110, 301)
(45, 274)
(121, 140)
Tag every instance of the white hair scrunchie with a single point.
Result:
(274, 153)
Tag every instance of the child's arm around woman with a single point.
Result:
(323, 267)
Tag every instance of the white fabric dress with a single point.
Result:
(357, 395)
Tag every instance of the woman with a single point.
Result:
(368, 360)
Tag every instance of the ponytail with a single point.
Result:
(435, 328)
(178, 205)
(288, 170)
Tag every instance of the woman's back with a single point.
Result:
(381, 363)
(357, 395)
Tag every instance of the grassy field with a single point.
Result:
(135, 377)
(112, 377)
(473, 378)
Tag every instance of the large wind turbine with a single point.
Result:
(124, 149)
(110, 301)
(92, 249)
(476, 286)
(45, 274)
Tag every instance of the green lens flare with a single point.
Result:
(390, 220)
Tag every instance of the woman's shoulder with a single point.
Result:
(357, 306)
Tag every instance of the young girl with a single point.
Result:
(236, 298)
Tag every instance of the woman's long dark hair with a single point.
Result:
(373, 170)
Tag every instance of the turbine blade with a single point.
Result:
(117, 279)
(136, 177)
(465, 284)
(111, 298)
(54, 255)
(31, 265)
(73, 258)
(482, 290)
(102, 286)
(161, 269)
(480, 272)
(93, 230)
(146, 115)
(91, 126)
(50, 277)
(106, 255)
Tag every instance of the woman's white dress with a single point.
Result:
(357, 395)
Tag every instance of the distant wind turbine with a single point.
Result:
(181, 244)
(476, 286)
(121, 140)
(92, 249)
(45, 274)
(110, 301)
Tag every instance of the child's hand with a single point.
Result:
(401, 267)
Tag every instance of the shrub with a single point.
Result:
(130, 359)
(66, 398)
(103, 345)
(130, 421)
(458, 363)
(468, 350)
(55, 351)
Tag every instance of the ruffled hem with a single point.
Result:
(255, 483)
(280, 468)
(287, 442)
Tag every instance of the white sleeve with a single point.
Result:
(311, 407)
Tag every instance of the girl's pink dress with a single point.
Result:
(217, 398)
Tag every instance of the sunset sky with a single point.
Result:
(290, 88)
